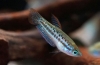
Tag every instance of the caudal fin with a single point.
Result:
(34, 17)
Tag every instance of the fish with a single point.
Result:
(53, 34)
(94, 49)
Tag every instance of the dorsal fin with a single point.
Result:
(55, 21)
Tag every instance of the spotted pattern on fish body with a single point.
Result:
(58, 36)
(54, 35)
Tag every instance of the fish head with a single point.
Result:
(73, 52)
(70, 50)
(76, 53)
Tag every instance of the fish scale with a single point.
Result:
(48, 28)
(51, 30)
(53, 34)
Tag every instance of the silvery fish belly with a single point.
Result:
(53, 34)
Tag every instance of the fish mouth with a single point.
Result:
(79, 55)
(76, 55)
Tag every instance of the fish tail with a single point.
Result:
(34, 17)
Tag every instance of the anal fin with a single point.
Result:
(46, 37)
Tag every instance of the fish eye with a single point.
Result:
(75, 52)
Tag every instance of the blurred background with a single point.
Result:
(79, 19)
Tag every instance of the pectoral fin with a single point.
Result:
(57, 51)
(55, 21)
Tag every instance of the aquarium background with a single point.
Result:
(79, 19)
